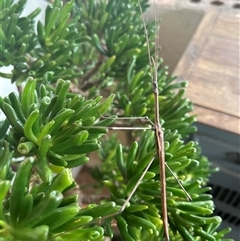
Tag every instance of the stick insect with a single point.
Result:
(159, 136)
(159, 139)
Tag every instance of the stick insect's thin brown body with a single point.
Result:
(160, 152)
(158, 131)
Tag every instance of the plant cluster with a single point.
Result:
(84, 50)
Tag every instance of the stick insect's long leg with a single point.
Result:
(132, 192)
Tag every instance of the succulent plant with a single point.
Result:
(82, 51)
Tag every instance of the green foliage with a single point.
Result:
(49, 128)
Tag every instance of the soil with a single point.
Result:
(87, 186)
